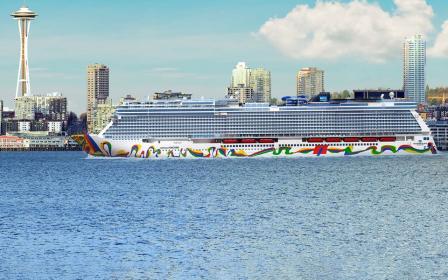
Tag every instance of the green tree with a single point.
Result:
(346, 94)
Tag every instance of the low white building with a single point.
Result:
(24, 126)
(46, 142)
(55, 127)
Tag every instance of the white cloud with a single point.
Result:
(331, 30)
(440, 48)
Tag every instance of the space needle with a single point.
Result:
(24, 16)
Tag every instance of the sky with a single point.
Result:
(192, 46)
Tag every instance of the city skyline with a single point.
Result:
(177, 53)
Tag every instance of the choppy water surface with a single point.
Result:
(65, 216)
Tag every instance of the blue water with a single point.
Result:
(63, 216)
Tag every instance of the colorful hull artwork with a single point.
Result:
(100, 147)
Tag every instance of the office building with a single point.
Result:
(250, 85)
(97, 90)
(25, 108)
(103, 113)
(54, 127)
(310, 82)
(439, 130)
(439, 112)
(24, 16)
(52, 106)
(24, 126)
(260, 82)
(414, 68)
(1, 117)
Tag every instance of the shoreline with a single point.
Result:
(40, 149)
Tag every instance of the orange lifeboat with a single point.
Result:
(369, 139)
(315, 140)
(230, 141)
(333, 140)
(388, 139)
(351, 139)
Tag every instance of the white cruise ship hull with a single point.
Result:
(98, 146)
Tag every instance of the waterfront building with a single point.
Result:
(250, 85)
(11, 142)
(24, 126)
(11, 125)
(55, 127)
(439, 130)
(170, 95)
(438, 113)
(310, 82)
(53, 106)
(414, 68)
(260, 82)
(97, 89)
(36, 141)
(24, 16)
(103, 113)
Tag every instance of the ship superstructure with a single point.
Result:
(224, 128)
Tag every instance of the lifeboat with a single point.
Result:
(369, 139)
(315, 140)
(351, 139)
(388, 139)
(248, 141)
(230, 141)
(333, 140)
(265, 140)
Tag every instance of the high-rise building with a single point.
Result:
(25, 108)
(260, 82)
(103, 113)
(414, 68)
(97, 90)
(1, 117)
(250, 85)
(240, 75)
(310, 82)
(53, 106)
(24, 16)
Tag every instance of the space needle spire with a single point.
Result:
(24, 16)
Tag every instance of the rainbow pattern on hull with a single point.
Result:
(105, 149)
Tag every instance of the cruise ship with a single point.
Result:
(207, 128)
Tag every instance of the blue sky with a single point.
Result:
(190, 46)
